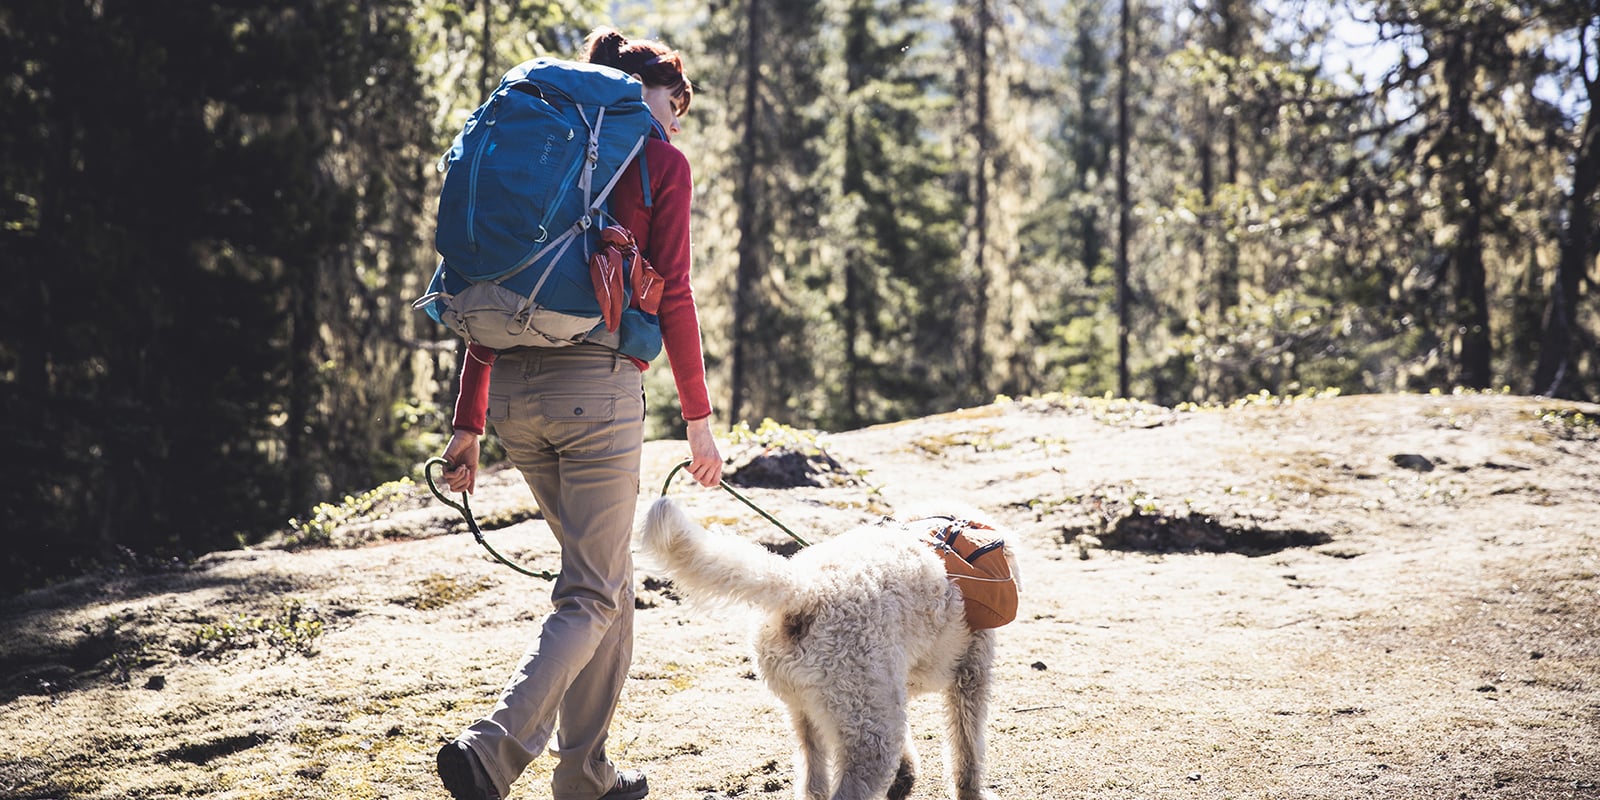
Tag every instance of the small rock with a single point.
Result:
(1040, 666)
(1194, 776)
(1412, 461)
(156, 683)
(1488, 687)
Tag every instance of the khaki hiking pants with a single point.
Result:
(572, 419)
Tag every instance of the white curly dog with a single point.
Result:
(855, 625)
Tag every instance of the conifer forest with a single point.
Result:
(216, 216)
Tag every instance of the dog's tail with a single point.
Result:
(709, 566)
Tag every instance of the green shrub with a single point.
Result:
(294, 629)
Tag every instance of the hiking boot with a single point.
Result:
(464, 776)
(631, 785)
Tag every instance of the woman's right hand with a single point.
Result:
(706, 466)
(462, 457)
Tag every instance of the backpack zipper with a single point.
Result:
(472, 179)
(566, 182)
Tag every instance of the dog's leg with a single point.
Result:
(810, 760)
(906, 776)
(967, 712)
(872, 732)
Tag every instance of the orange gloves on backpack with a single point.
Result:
(617, 248)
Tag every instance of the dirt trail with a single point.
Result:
(1376, 596)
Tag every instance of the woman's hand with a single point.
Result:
(706, 466)
(462, 456)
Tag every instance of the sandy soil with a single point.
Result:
(1375, 596)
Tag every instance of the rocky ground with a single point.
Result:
(1378, 596)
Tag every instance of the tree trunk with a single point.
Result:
(853, 185)
(744, 291)
(1227, 280)
(1124, 206)
(1472, 344)
(982, 136)
(486, 82)
(1085, 155)
(1559, 329)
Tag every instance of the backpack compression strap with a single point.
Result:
(592, 205)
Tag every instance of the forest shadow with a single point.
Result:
(46, 649)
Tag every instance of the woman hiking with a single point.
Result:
(572, 420)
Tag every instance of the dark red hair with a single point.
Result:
(655, 63)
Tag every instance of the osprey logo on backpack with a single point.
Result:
(523, 204)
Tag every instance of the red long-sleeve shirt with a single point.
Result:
(662, 233)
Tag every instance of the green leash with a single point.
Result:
(742, 499)
(465, 507)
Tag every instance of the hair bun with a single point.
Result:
(604, 46)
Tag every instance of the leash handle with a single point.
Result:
(735, 492)
(465, 507)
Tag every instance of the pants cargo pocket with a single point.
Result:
(579, 423)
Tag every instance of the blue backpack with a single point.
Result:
(523, 205)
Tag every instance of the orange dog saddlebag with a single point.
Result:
(975, 558)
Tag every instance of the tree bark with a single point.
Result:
(1472, 344)
(1124, 208)
(1559, 329)
(982, 136)
(745, 276)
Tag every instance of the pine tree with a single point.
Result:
(888, 251)
(756, 137)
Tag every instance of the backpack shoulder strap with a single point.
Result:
(644, 179)
(644, 167)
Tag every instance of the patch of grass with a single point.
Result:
(326, 518)
(1120, 410)
(294, 629)
(437, 591)
(681, 678)
(979, 412)
(1570, 424)
(772, 434)
(1268, 399)
(981, 440)
(1449, 419)
(107, 642)
(1105, 409)
(1304, 485)
(507, 516)
(675, 676)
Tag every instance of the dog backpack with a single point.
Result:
(975, 560)
(522, 210)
